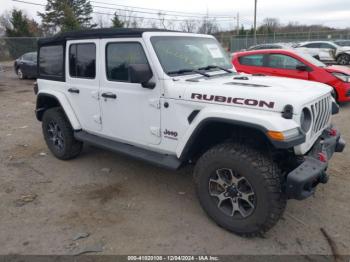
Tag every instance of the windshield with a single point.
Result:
(311, 59)
(187, 54)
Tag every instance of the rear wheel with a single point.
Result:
(59, 135)
(343, 59)
(240, 189)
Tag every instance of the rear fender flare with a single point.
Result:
(62, 101)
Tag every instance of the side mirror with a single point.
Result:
(302, 68)
(142, 74)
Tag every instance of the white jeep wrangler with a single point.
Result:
(174, 99)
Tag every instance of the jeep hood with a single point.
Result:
(259, 92)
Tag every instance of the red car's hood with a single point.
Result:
(338, 69)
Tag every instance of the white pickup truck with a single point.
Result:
(174, 99)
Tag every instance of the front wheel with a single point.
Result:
(343, 59)
(240, 189)
(59, 134)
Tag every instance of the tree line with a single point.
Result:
(67, 15)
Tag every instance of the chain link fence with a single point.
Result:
(13, 47)
(243, 42)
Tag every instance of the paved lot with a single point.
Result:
(130, 207)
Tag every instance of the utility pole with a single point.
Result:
(237, 23)
(255, 21)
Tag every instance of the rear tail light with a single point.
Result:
(322, 157)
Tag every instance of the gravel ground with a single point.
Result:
(130, 207)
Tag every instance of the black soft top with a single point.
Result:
(97, 33)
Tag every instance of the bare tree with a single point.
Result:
(208, 26)
(189, 26)
(153, 24)
(269, 25)
(161, 20)
(102, 22)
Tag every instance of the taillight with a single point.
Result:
(322, 157)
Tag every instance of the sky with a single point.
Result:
(334, 13)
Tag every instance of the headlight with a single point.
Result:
(305, 120)
(342, 77)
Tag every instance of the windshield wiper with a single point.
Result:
(183, 71)
(215, 66)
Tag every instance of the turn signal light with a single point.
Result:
(275, 135)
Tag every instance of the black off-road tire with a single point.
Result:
(70, 147)
(263, 176)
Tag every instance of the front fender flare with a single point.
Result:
(261, 122)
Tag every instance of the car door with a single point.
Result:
(313, 49)
(25, 64)
(286, 66)
(82, 81)
(328, 52)
(130, 112)
(32, 65)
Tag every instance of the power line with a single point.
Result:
(126, 16)
(158, 13)
(159, 10)
(150, 18)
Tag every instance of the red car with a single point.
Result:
(290, 63)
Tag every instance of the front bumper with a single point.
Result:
(343, 91)
(302, 181)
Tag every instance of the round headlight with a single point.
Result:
(305, 120)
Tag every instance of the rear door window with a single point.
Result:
(283, 62)
(327, 46)
(27, 57)
(252, 60)
(313, 45)
(33, 57)
(82, 60)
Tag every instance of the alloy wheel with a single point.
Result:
(343, 60)
(55, 135)
(232, 192)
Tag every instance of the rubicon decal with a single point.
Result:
(233, 100)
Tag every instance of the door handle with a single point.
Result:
(74, 90)
(109, 95)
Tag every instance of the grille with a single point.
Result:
(321, 113)
(348, 93)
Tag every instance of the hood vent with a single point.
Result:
(245, 84)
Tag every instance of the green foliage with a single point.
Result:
(116, 22)
(17, 27)
(67, 15)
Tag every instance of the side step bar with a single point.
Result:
(161, 160)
